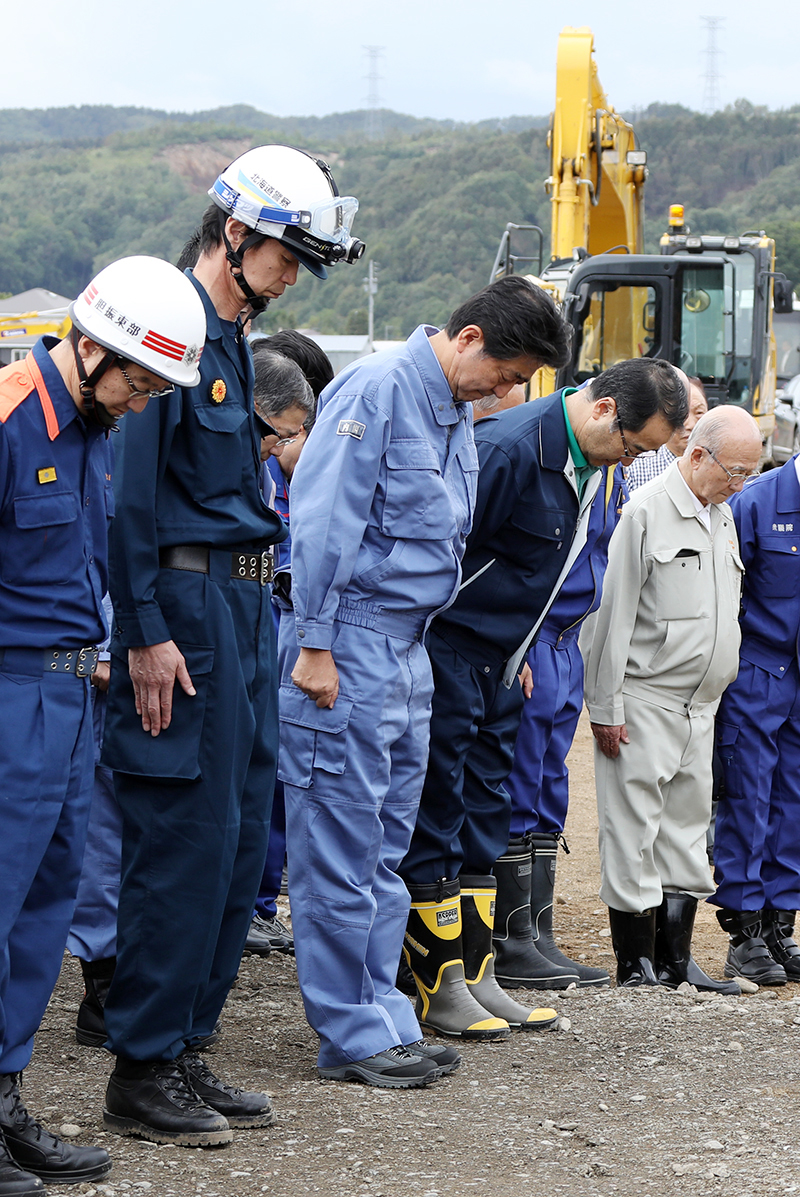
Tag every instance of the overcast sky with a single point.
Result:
(459, 59)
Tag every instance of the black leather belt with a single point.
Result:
(36, 662)
(252, 567)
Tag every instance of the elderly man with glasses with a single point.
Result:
(665, 646)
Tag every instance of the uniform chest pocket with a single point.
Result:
(417, 504)
(543, 523)
(777, 568)
(312, 737)
(684, 584)
(218, 448)
(43, 541)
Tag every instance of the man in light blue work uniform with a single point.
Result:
(57, 408)
(539, 781)
(381, 505)
(757, 844)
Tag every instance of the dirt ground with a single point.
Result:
(636, 1094)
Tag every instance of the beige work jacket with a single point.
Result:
(667, 630)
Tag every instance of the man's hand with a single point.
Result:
(315, 673)
(153, 671)
(526, 680)
(609, 738)
(100, 677)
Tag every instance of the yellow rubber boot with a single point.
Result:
(477, 913)
(432, 948)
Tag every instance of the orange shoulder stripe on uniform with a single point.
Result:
(16, 383)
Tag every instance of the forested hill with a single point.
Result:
(81, 186)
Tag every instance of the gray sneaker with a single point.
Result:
(268, 935)
(395, 1068)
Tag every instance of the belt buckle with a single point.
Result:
(266, 563)
(90, 655)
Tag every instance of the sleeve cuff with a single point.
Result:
(314, 635)
(136, 629)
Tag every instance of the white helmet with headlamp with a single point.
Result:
(287, 194)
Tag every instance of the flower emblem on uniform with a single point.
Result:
(218, 390)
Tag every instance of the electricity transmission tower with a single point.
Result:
(374, 127)
(711, 101)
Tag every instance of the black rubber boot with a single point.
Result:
(433, 951)
(633, 938)
(14, 1182)
(241, 1108)
(90, 1028)
(477, 916)
(778, 932)
(543, 880)
(674, 961)
(748, 954)
(39, 1151)
(155, 1099)
(518, 962)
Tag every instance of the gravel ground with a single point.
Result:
(635, 1093)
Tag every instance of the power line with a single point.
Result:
(711, 100)
(374, 125)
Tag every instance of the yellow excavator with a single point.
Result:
(704, 303)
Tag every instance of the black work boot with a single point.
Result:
(240, 1108)
(432, 947)
(518, 962)
(633, 937)
(477, 916)
(543, 880)
(748, 954)
(39, 1151)
(674, 961)
(13, 1181)
(155, 1099)
(777, 928)
(90, 1028)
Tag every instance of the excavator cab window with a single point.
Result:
(617, 321)
(715, 319)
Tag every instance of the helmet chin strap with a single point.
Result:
(257, 302)
(93, 411)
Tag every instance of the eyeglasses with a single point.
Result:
(136, 390)
(629, 452)
(733, 475)
(265, 429)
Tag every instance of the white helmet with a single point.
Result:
(146, 311)
(287, 194)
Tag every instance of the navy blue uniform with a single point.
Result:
(381, 503)
(55, 500)
(195, 799)
(757, 843)
(539, 781)
(525, 520)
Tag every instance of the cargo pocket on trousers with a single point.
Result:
(727, 736)
(311, 737)
(174, 753)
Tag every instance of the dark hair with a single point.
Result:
(280, 384)
(301, 349)
(206, 237)
(517, 319)
(641, 388)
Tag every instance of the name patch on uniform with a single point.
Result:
(48, 474)
(351, 428)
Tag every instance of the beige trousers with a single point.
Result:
(654, 807)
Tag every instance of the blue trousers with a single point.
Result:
(539, 781)
(46, 770)
(465, 811)
(93, 934)
(757, 841)
(195, 804)
(352, 778)
(266, 904)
